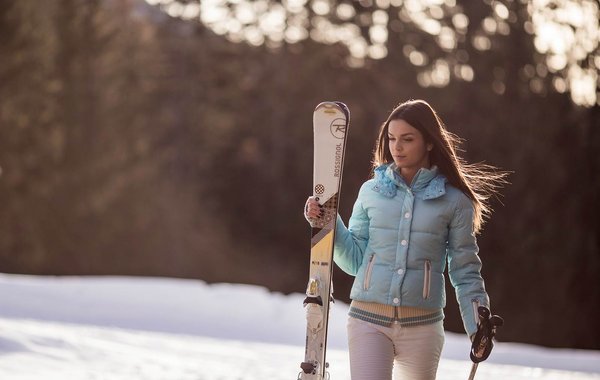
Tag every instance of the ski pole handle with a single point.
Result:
(486, 330)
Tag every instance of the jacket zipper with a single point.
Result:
(426, 279)
(368, 272)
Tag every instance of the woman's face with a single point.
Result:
(407, 146)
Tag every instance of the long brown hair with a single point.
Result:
(478, 181)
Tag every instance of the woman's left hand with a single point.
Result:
(313, 210)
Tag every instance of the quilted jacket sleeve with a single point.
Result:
(464, 265)
(351, 242)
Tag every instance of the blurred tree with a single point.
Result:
(439, 37)
(29, 137)
(501, 64)
(135, 142)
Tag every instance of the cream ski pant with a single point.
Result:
(412, 352)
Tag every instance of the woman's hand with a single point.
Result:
(313, 210)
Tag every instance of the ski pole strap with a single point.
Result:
(486, 330)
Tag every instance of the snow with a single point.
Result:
(84, 328)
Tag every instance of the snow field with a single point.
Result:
(80, 328)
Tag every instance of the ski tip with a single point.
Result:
(331, 106)
(343, 107)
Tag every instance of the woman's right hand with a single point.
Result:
(313, 210)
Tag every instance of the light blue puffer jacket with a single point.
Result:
(399, 239)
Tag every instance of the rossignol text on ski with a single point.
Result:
(330, 125)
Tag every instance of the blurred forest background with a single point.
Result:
(174, 138)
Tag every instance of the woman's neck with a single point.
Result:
(409, 173)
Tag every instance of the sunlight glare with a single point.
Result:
(213, 12)
(447, 39)
(380, 17)
(571, 14)
(378, 34)
(321, 7)
(568, 33)
(436, 12)
(560, 85)
(254, 36)
(273, 22)
(417, 58)
(489, 25)
(482, 43)
(431, 26)
(428, 3)
(424, 79)
(234, 25)
(414, 6)
(245, 13)
(294, 34)
(503, 28)
(294, 6)
(378, 51)
(191, 11)
(554, 38)
(565, 32)
(440, 75)
(556, 62)
(501, 10)
(583, 85)
(260, 6)
(466, 72)
(383, 4)
(345, 11)
(174, 9)
(460, 21)
(358, 49)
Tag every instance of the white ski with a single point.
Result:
(330, 123)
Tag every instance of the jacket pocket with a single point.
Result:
(426, 278)
(368, 271)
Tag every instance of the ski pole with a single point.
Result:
(483, 341)
(473, 370)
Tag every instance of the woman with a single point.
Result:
(421, 209)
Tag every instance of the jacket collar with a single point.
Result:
(427, 181)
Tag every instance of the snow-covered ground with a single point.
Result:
(105, 328)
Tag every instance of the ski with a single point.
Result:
(330, 125)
